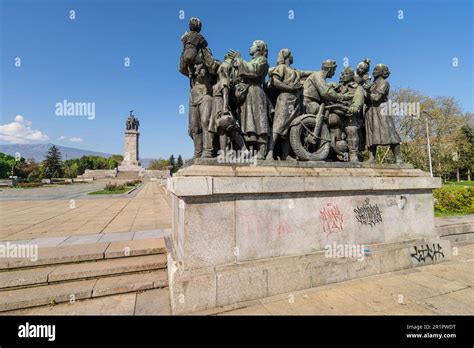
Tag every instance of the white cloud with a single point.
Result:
(71, 139)
(22, 120)
(20, 132)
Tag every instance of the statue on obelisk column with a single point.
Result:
(130, 156)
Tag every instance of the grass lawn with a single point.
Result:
(460, 183)
(446, 214)
(27, 186)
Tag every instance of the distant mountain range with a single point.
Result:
(38, 151)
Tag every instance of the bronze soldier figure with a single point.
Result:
(352, 121)
(223, 121)
(361, 75)
(200, 108)
(132, 122)
(317, 91)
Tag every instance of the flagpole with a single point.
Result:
(428, 142)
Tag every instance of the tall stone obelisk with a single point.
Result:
(131, 160)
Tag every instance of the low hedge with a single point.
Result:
(116, 187)
(454, 199)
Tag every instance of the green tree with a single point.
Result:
(71, 170)
(444, 118)
(159, 164)
(93, 162)
(53, 166)
(24, 169)
(464, 150)
(180, 162)
(7, 164)
(36, 174)
(172, 162)
(117, 158)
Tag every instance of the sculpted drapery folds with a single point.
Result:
(287, 82)
(379, 124)
(254, 110)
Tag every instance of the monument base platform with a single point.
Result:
(130, 168)
(242, 233)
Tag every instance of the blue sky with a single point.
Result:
(82, 60)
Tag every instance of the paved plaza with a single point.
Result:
(441, 289)
(51, 192)
(67, 210)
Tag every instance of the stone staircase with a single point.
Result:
(128, 175)
(82, 272)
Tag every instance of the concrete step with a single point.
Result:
(130, 282)
(127, 175)
(86, 252)
(147, 302)
(107, 267)
(51, 294)
(85, 270)
(76, 272)
(21, 278)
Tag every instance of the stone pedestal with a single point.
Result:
(242, 233)
(130, 155)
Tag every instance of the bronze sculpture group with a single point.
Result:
(294, 115)
(132, 122)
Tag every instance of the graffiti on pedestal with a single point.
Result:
(425, 252)
(368, 214)
(332, 219)
(256, 222)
